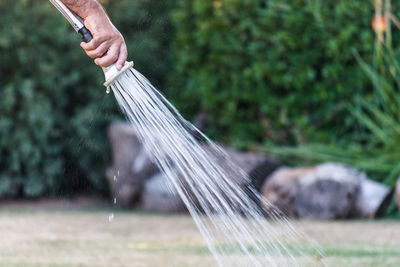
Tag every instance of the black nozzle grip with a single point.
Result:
(86, 35)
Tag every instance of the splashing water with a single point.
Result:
(228, 214)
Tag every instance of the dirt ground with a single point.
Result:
(55, 235)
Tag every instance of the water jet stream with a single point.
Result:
(237, 231)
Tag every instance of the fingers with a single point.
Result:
(93, 44)
(99, 51)
(107, 49)
(108, 45)
(123, 54)
(110, 58)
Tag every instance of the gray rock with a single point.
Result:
(143, 167)
(256, 166)
(326, 191)
(159, 195)
(131, 165)
(280, 189)
(373, 199)
(229, 159)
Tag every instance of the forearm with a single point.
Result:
(85, 8)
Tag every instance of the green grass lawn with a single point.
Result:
(88, 238)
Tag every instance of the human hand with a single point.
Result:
(107, 46)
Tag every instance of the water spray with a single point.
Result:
(110, 73)
(203, 174)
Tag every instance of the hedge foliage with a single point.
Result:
(279, 71)
(53, 108)
(265, 71)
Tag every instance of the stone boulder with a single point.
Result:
(131, 165)
(245, 169)
(281, 187)
(159, 195)
(326, 191)
(256, 166)
(132, 168)
(373, 199)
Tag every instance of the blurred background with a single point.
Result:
(305, 82)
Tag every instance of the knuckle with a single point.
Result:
(97, 54)
(107, 60)
(95, 42)
(114, 57)
(105, 36)
(101, 50)
(91, 55)
(89, 47)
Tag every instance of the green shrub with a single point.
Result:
(375, 145)
(53, 108)
(279, 71)
(148, 32)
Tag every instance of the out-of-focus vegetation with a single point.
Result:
(373, 144)
(268, 73)
(53, 108)
(281, 71)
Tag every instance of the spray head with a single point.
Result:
(111, 73)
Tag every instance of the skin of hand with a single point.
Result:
(107, 46)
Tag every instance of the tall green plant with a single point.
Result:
(374, 145)
(380, 115)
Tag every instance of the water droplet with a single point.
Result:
(111, 217)
(115, 200)
(118, 173)
(108, 90)
(115, 178)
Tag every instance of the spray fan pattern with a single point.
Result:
(237, 231)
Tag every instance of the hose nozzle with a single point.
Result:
(111, 73)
